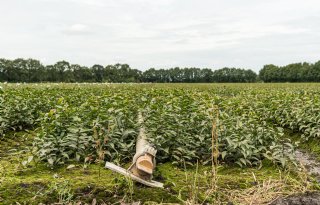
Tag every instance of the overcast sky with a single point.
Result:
(162, 33)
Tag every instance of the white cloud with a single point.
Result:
(164, 33)
(77, 29)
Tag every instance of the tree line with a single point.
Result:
(31, 70)
(295, 72)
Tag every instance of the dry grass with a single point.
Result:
(267, 191)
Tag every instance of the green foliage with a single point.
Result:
(295, 72)
(180, 122)
(62, 190)
(20, 109)
(30, 70)
(99, 122)
(59, 190)
(63, 135)
(292, 109)
(96, 129)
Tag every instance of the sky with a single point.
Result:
(163, 33)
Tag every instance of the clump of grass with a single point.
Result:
(268, 190)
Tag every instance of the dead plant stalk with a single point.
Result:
(214, 146)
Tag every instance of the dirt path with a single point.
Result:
(299, 199)
(309, 162)
(312, 167)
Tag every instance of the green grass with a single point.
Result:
(38, 183)
(311, 146)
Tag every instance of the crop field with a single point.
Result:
(216, 143)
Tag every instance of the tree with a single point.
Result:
(4, 67)
(31, 70)
(269, 73)
(97, 71)
(61, 67)
(35, 70)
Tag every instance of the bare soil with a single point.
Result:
(309, 162)
(312, 166)
(308, 198)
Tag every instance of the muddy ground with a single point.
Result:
(309, 162)
(312, 167)
(309, 198)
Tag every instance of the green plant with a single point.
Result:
(59, 190)
(178, 121)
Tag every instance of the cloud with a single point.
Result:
(77, 29)
(162, 33)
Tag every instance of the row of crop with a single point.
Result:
(101, 128)
(179, 123)
(72, 123)
(20, 109)
(298, 111)
(99, 123)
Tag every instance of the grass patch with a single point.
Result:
(311, 146)
(37, 183)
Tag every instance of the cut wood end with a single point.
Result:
(144, 163)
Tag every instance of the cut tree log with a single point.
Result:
(127, 173)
